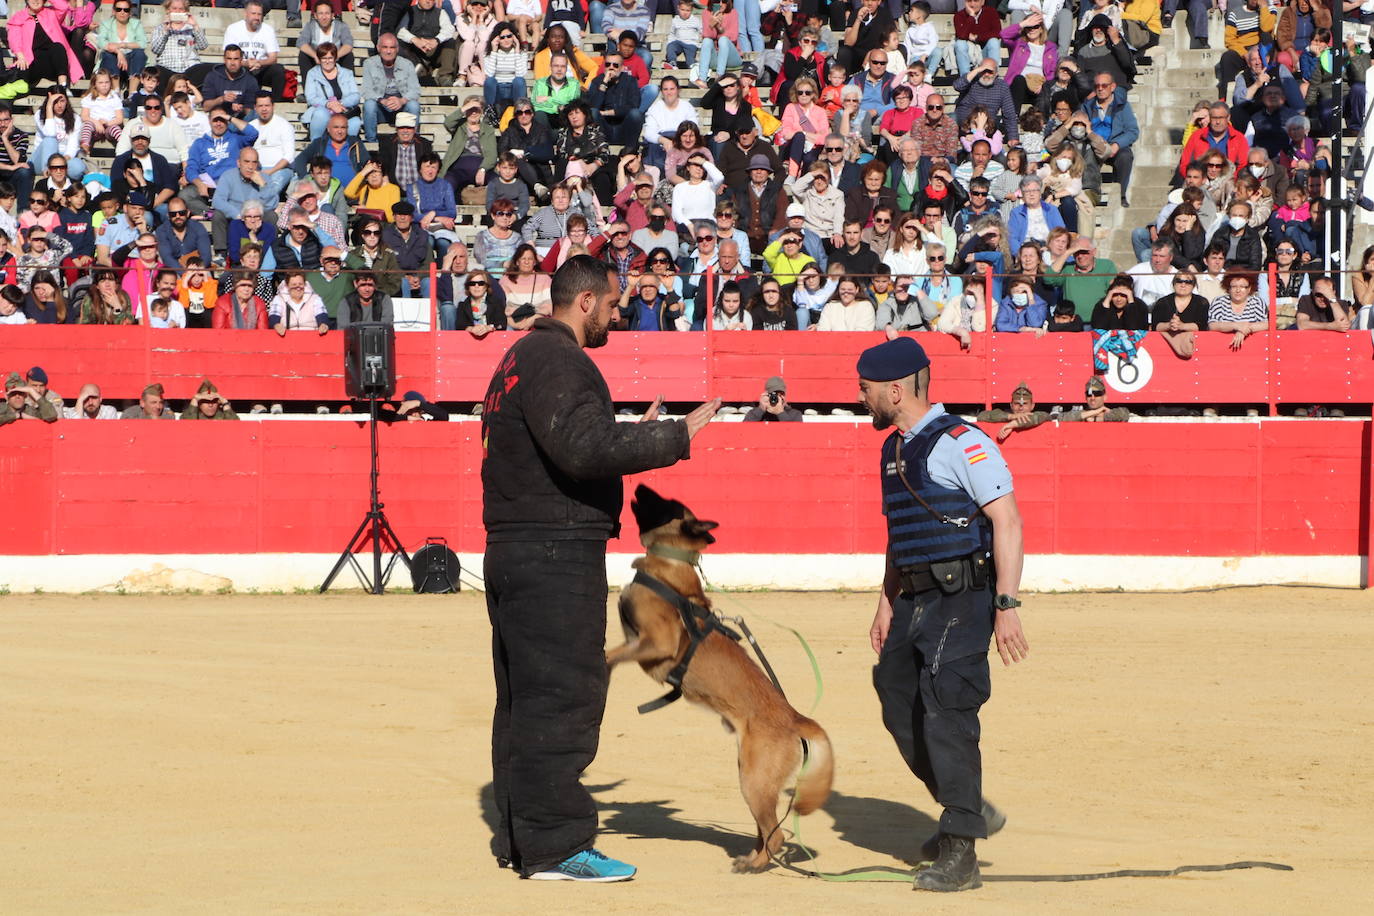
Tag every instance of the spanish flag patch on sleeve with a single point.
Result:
(975, 454)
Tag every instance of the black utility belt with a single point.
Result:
(949, 576)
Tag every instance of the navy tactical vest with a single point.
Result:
(915, 536)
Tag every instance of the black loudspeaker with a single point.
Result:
(435, 568)
(370, 360)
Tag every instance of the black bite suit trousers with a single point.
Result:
(547, 605)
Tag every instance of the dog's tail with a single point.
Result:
(818, 767)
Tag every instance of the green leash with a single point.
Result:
(806, 647)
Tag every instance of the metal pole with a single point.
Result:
(375, 511)
(1335, 236)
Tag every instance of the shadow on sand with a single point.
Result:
(881, 826)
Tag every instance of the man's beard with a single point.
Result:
(881, 419)
(594, 335)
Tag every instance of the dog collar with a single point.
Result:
(690, 557)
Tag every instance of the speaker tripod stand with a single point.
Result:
(375, 528)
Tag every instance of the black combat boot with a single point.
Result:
(992, 815)
(955, 869)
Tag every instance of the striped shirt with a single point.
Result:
(1221, 310)
(636, 19)
(505, 66)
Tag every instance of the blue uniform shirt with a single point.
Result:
(971, 463)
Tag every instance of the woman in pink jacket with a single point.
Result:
(1033, 58)
(805, 124)
(38, 38)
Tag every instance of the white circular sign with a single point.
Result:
(1128, 377)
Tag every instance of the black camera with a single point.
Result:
(773, 398)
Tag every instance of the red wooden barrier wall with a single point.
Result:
(1286, 487)
(1304, 367)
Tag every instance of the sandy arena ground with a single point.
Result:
(255, 754)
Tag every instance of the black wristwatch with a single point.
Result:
(1005, 602)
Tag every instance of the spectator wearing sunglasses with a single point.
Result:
(165, 137)
(122, 43)
(1095, 409)
(180, 237)
(614, 97)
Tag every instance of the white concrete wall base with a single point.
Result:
(814, 572)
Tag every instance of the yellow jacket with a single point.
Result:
(1145, 12)
(783, 268)
(365, 197)
(1243, 43)
(590, 64)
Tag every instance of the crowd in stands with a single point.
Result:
(850, 165)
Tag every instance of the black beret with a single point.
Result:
(892, 359)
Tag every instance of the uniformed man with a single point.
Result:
(1095, 409)
(1021, 415)
(953, 569)
(24, 402)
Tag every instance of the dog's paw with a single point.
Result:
(749, 864)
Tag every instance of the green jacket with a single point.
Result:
(1083, 290)
(385, 266)
(192, 412)
(454, 124)
(557, 99)
(44, 411)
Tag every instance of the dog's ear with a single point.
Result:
(652, 510)
(700, 528)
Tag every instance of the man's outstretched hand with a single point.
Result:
(697, 419)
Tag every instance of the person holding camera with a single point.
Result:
(773, 406)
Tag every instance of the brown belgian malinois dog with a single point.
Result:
(777, 744)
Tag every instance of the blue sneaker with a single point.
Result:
(588, 865)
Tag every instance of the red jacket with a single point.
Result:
(1237, 148)
(223, 317)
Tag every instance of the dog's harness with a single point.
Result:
(699, 622)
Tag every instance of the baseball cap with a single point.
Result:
(760, 161)
(795, 210)
(13, 381)
(1022, 392)
(1095, 385)
(749, 69)
(140, 130)
(406, 119)
(775, 384)
(137, 199)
